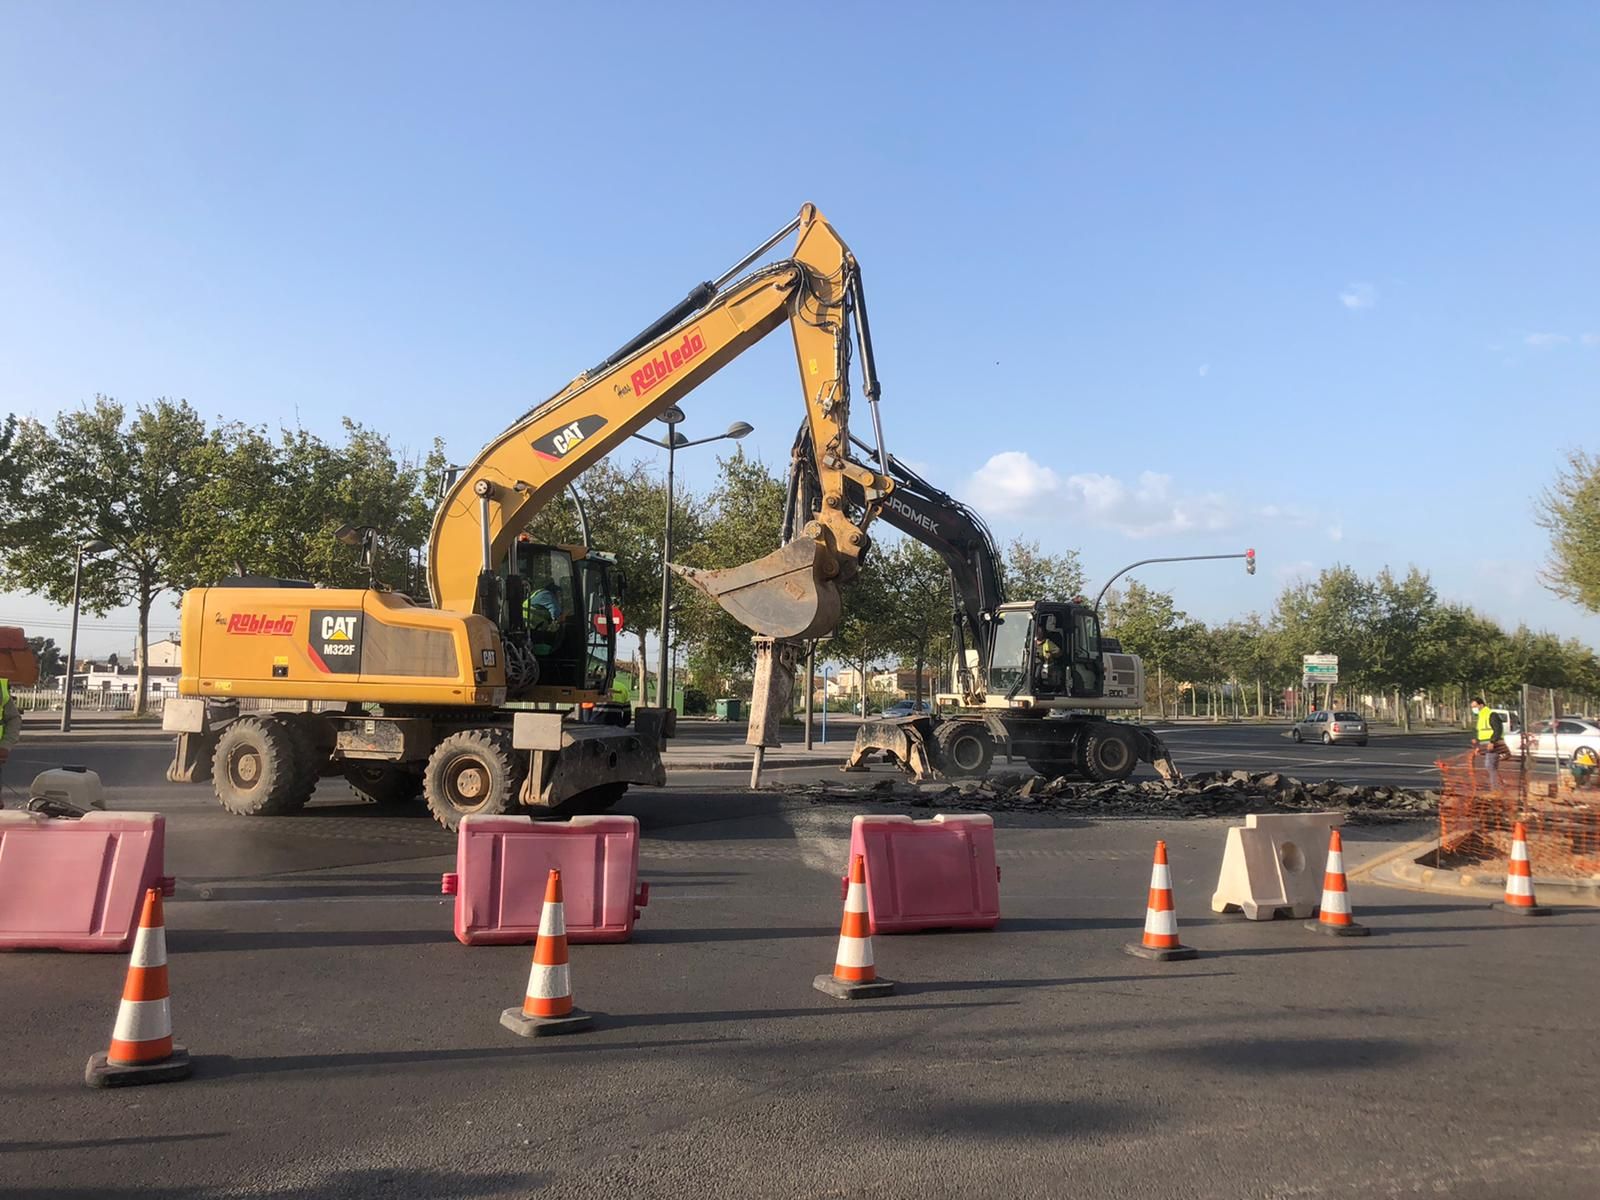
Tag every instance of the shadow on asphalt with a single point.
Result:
(104, 1143)
(1258, 1056)
(983, 985)
(1015, 1118)
(373, 1181)
(688, 936)
(1325, 943)
(1068, 924)
(225, 1066)
(222, 941)
(654, 1020)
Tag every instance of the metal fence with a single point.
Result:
(1559, 806)
(90, 700)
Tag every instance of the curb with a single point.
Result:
(1399, 869)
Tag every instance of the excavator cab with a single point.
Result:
(558, 618)
(1046, 651)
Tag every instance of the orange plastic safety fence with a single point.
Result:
(1562, 816)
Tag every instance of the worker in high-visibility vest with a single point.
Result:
(10, 720)
(1489, 732)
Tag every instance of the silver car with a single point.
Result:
(1329, 727)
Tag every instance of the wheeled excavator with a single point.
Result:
(1033, 679)
(475, 700)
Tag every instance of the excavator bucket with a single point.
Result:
(790, 593)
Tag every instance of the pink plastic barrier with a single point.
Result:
(77, 885)
(502, 864)
(937, 874)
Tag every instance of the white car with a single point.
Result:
(1559, 739)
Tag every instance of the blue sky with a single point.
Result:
(1144, 279)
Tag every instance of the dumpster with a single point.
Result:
(730, 709)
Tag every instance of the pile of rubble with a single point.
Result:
(1209, 794)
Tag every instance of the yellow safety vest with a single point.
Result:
(5, 699)
(1485, 725)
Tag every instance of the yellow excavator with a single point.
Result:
(496, 695)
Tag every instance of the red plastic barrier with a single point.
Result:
(937, 874)
(502, 864)
(78, 884)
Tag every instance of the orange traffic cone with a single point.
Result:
(854, 977)
(1333, 916)
(1160, 940)
(141, 1043)
(547, 1005)
(1519, 879)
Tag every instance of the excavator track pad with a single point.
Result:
(791, 593)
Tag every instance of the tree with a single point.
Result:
(921, 603)
(1147, 623)
(51, 661)
(97, 475)
(1026, 573)
(1571, 515)
(271, 504)
(742, 520)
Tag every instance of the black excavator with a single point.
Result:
(1032, 679)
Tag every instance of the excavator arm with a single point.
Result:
(942, 523)
(793, 592)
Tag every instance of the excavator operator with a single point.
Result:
(541, 612)
(1047, 657)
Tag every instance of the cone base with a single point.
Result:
(1160, 953)
(1338, 930)
(523, 1025)
(846, 989)
(102, 1074)
(1518, 910)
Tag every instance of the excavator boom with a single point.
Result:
(790, 593)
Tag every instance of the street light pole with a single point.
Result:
(673, 416)
(94, 547)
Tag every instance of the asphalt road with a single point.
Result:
(348, 1046)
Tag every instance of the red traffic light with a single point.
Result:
(1250, 562)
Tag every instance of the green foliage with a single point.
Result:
(98, 475)
(740, 520)
(268, 504)
(1571, 514)
(52, 661)
(1028, 574)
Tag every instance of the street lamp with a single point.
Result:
(674, 441)
(92, 547)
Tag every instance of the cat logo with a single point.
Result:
(335, 648)
(557, 445)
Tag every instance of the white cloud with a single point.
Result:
(1543, 341)
(1013, 484)
(1336, 533)
(1358, 296)
(1205, 369)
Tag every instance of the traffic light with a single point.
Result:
(1249, 562)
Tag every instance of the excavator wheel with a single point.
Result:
(304, 730)
(1110, 752)
(254, 771)
(472, 771)
(790, 593)
(965, 749)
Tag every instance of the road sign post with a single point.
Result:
(1319, 670)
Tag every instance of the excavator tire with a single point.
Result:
(254, 772)
(384, 783)
(965, 749)
(472, 771)
(1110, 752)
(308, 755)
